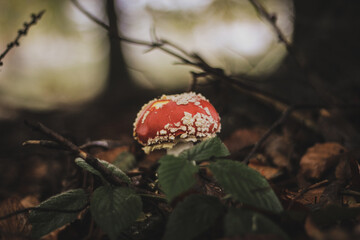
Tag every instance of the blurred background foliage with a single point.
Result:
(64, 60)
(68, 74)
(61, 61)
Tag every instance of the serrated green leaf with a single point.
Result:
(239, 222)
(115, 208)
(212, 147)
(245, 185)
(44, 222)
(125, 161)
(194, 215)
(176, 175)
(115, 170)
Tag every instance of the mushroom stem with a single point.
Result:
(179, 147)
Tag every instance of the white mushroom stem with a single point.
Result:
(179, 147)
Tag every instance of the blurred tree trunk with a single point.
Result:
(119, 85)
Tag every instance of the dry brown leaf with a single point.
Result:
(280, 149)
(320, 158)
(16, 227)
(267, 171)
(242, 138)
(111, 154)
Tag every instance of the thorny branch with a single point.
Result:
(21, 32)
(41, 209)
(91, 160)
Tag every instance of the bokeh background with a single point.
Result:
(71, 75)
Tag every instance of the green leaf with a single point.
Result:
(176, 175)
(212, 147)
(115, 208)
(245, 185)
(115, 170)
(239, 222)
(44, 222)
(193, 216)
(125, 161)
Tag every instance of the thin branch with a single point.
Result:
(288, 112)
(44, 143)
(186, 58)
(91, 160)
(106, 27)
(277, 123)
(196, 61)
(21, 32)
(41, 209)
(311, 78)
(105, 144)
(271, 18)
(306, 189)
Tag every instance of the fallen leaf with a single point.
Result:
(15, 227)
(243, 138)
(320, 158)
(267, 171)
(280, 149)
(111, 154)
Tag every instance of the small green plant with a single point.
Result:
(116, 208)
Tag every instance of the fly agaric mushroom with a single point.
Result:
(175, 122)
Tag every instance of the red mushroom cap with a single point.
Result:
(163, 122)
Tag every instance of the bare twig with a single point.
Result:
(41, 209)
(271, 18)
(43, 143)
(105, 144)
(91, 160)
(194, 60)
(305, 190)
(290, 111)
(186, 58)
(22, 32)
(277, 123)
(310, 77)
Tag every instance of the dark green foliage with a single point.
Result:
(240, 222)
(194, 215)
(212, 147)
(114, 169)
(176, 175)
(245, 185)
(43, 222)
(114, 209)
